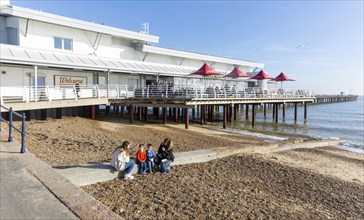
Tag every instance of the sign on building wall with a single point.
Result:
(69, 80)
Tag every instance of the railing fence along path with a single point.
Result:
(11, 126)
(50, 93)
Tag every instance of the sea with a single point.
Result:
(334, 121)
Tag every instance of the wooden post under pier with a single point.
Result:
(186, 118)
(131, 114)
(224, 116)
(295, 111)
(305, 111)
(284, 111)
(254, 114)
(247, 112)
(164, 115)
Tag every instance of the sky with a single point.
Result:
(331, 32)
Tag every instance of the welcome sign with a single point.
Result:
(69, 80)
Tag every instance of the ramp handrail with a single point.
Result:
(11, 126)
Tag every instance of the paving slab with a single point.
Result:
(23, 196)
(31, 189)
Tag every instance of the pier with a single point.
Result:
(168, 103)
(320, 99)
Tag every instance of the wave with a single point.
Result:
(352, 146)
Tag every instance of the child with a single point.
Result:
(150, 158)
(141, 157)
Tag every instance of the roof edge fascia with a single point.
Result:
(192, 55)
(74, 23)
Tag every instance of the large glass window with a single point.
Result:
(63, 43)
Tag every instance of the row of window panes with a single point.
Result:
(63, 43)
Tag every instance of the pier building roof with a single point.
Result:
(139, 38)
(10, 54)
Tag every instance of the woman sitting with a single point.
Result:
(121, 161)
(165, 155)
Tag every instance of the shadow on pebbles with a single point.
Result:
(236, 187)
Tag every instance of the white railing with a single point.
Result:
(52, 93)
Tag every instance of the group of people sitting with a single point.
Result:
(146, 159)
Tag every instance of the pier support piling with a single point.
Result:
(305, 110)
(247, 112)
(164, 115)
(295, 111)
(186, 118)
(284, 111)
(224, 116)
(131, 114)
(254, 113)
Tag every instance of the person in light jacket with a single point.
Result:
(121, 161)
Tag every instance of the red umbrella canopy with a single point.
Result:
(205, 70)
(236, 73)
(261, 75)
(282, 77)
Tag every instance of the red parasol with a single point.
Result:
(205, 70)
(236, 73)
(282, 77)
(261, 75)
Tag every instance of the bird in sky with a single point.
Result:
(302, 45)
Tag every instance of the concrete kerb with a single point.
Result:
(94, 173)
(91, 174)
(79, 202)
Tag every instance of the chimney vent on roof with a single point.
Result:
(145, 27)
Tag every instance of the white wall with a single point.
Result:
(41, 35)
(20, 76)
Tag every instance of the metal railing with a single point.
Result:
(165, 91)
(11, 126)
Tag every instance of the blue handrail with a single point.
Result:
(11, 126)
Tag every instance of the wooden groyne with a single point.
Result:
(320, 99)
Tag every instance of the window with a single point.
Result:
(67, 44)
(12, 35)
(58, 42)
(40, 81)
(63, 43)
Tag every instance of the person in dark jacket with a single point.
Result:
(165, 151)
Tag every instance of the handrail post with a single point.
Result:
(22, 149)
(98, 91)
(0, 115)
(49, 94)
(75, 92)
(10, 139)
(147, 93)
(166, 90)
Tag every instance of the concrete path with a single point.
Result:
(94, 173)
(31, 189)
